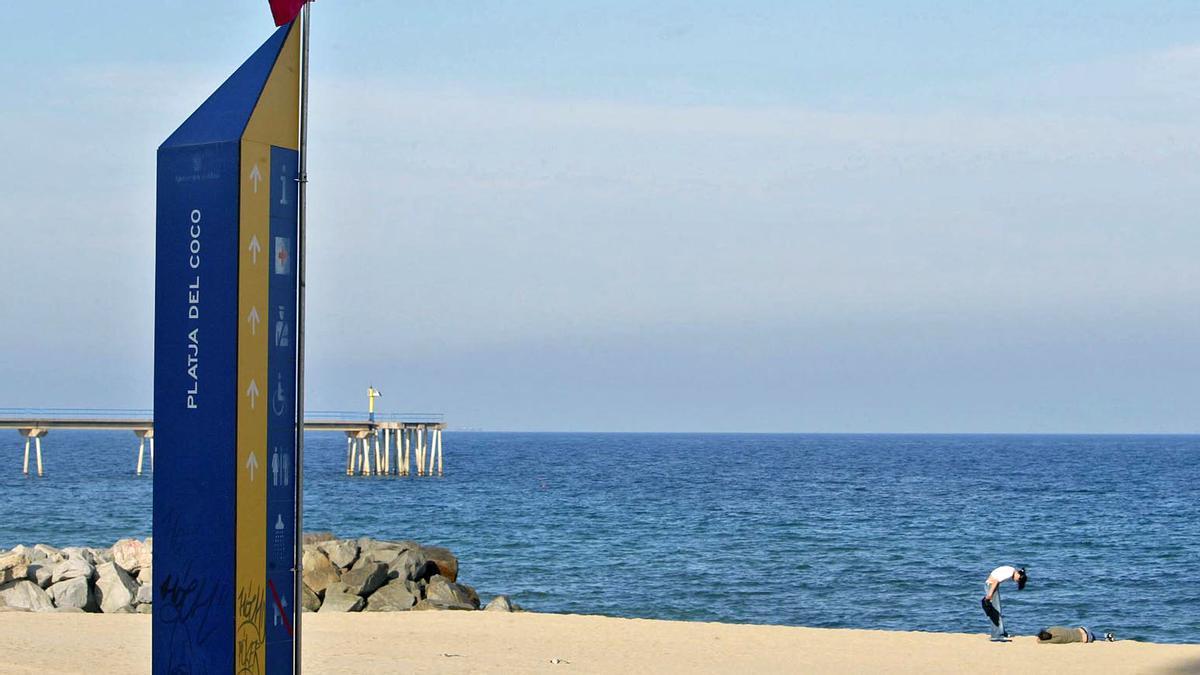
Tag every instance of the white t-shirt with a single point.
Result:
(1002, 573)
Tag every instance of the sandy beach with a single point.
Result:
(479, 642)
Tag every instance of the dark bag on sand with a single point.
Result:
(991, 612)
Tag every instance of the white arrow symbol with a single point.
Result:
(255, 177)
(252, 464)
(252, 319)
(255, 247)
(252, 392)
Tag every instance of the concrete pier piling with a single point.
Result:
(369, 451)
(406, 460)
(35, 435)
(420, 451)
(144, 435)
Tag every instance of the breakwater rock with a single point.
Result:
(340, 575)
(372, 575)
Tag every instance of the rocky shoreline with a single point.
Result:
(340, 575)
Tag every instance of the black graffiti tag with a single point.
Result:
(251, 623)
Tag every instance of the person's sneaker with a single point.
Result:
(1109, 637)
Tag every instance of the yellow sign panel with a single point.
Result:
(253, 403)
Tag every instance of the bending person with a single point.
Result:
(991, 600)
(1061, 635)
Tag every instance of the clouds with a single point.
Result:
(628, 237)
(778, 191)
(959, 255)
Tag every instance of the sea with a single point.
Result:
(892, 532)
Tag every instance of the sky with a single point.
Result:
(672, 216)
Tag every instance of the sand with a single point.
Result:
(486, 642)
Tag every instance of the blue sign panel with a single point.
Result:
(281, 427)
(195, 343)
(281, 363)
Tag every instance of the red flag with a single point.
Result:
(285, 10)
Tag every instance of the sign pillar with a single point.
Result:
(225, 400)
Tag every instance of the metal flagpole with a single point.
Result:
(301, 222)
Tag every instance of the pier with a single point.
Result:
(370, 437)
